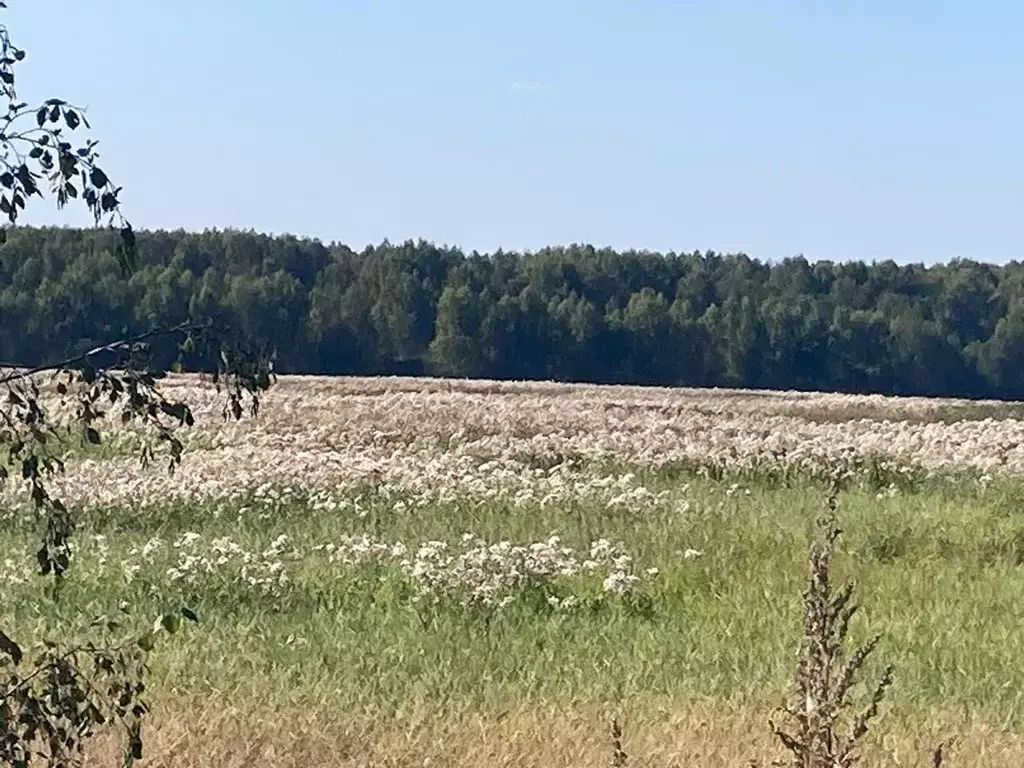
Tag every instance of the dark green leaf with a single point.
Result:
(189, 614)
(126, 251)
(43, 558)
(41, 117)
(10, 648)
(92, 436)
(170, 622)
(135, 745)
(98, 178)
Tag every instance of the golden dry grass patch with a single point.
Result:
(194, 733)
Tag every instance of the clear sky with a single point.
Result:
(857, 129)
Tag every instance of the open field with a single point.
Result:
(427, 572)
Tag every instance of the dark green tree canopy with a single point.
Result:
(568, 313)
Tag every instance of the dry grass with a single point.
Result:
(194, 733)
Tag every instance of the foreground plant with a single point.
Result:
(51, 706)
(825, 734)
(54, 698)
(827, 730)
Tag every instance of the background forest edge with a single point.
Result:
(573, 313)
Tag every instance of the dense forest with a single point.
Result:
(576, 313)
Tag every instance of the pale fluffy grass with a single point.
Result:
(485, 440)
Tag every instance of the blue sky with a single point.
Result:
(840, 130)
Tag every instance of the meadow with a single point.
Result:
(423, 572)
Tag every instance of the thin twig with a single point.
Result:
(112, 346)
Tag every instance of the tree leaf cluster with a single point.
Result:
(55, 698)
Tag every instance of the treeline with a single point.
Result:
(577, 313)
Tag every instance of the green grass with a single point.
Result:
(938, 572)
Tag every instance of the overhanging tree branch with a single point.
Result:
(118, 346)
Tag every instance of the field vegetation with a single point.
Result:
(435, 572)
